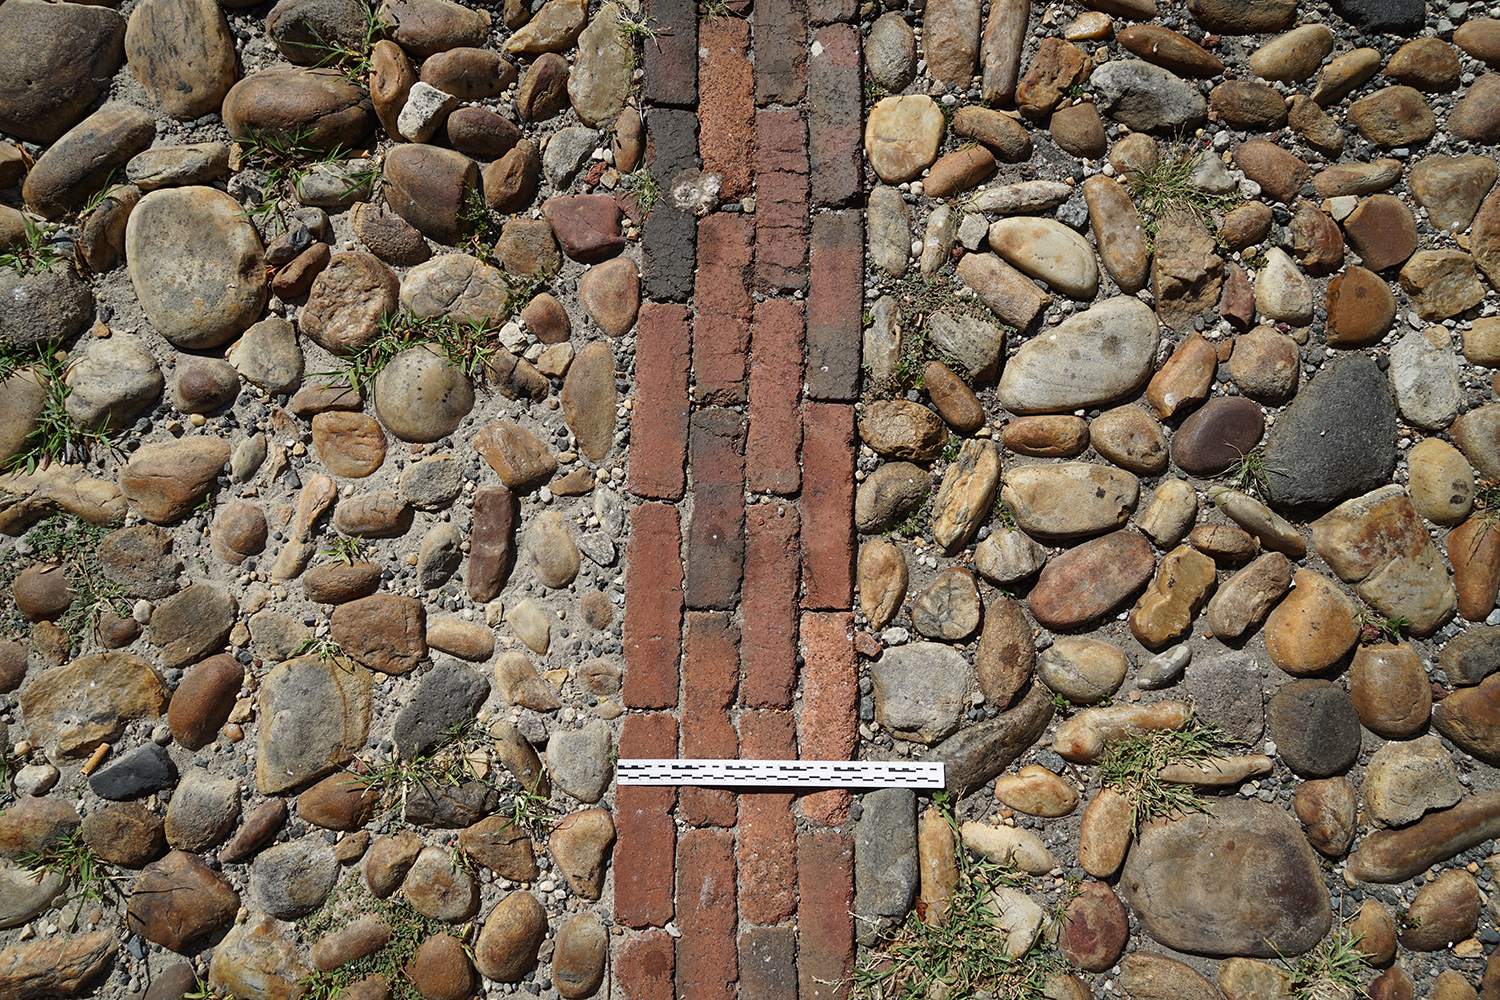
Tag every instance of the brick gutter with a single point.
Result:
(738, 624)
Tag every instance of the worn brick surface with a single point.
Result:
(652, 631)
(835, 287)
(829, 725)
(716, 533)
(645, 965)
(825, 884)
(667, 246)
(781, 225)
(780, 51)
(726, 103)
(710, 675)
(828, 550)
(659, 420)
(774, 444)
(828, 11)
(722, 307)
(645, 835)
(706, 914)
(671, 145)
(671, 54)
(768, 648)
(834, 99)
(768, 964)
(768, 830)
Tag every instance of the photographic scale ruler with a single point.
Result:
(780, 773)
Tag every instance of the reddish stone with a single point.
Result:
(1382, 231)
(1218, 434)
(767, 830)
(822, 12)
(716, 534)
(726, 105)
(1087, 582)
(773, 448)
(710, 674)
(828, 506)
(706, 915)
(834, 303)
(780, 51)
(1094, 928)
(721, 321)
(587, 226)
(645, 966)
(645, 834)
(768, 963)
(671, 63)
(829, 726)
(780, 197)
(659, 421)
(653, 607)
(769, 606)
(825, 882)
(1237, 304)
(833, 123)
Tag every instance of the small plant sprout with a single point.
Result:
(1375, 627)
(347, 549)
(647, 189)
(36, 252)
(1331, 970)
(1250, 475)
(1169, 186)
(87, 877)
(1133, 763)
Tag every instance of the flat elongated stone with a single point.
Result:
(1396, 855)
(1085, 583)
(976, 754)
(964, 500)
(1165, 611)
(1096, 357)
(1071, 500)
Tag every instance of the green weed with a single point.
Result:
(408, 930)
(73, 544)
(1132, 765)
(647, 189)
(1168, 186)
(56, 437)
(1375, 627)
(963, 957)
(284, 158)
(353, 63)
(467, 345)
(1250, 475)
(1330, 971)
(36, 253)
(347, 549)
(88, 878)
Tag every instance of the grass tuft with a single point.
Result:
(1168, 185)
(468, 345)
(409, 929)
(1132, 765)
(88, 878)
(962, 958)
(56, 437)
(74, 544)
(1251, 475)
(36, 253)
(1331, 970)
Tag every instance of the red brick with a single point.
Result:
(780, 51)
(829, 11)
(710, 674)
(671, 52)
(706, 915)
(828, 506)
(768, 608)
(834, 301)
(825, 883)
(659, 420)
(773, 448)
(726, 102)
(716, 533)
(781, 224)
(645, 966)
(834, 98)
(645, 835)
(829, 726)
(722, 302)
(652, 632)
(768, 829)
(768, 964)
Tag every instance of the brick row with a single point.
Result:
(828, 551)
(722, 307)
(707, 964)
(726, 103)
(768, 964)
(781, 224)
(645, 966)
(834, 96)
(659, 420)
(774, 445)
(780, 51)
(652, 631)
(768, 609)
(829, 725)
(710, 675)
(716, 532)
(834, 300)
(645, 836)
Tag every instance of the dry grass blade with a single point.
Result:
(1133, 765)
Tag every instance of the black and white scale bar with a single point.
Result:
(784, 773)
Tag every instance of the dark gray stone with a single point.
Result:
(434, 804)
(1336, 440)
(885, 861)
(1226, 692)
(448, 697)
(1315, 727)
(144, 770)
(1469, 658)
(975, 755)
(1401, 17)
